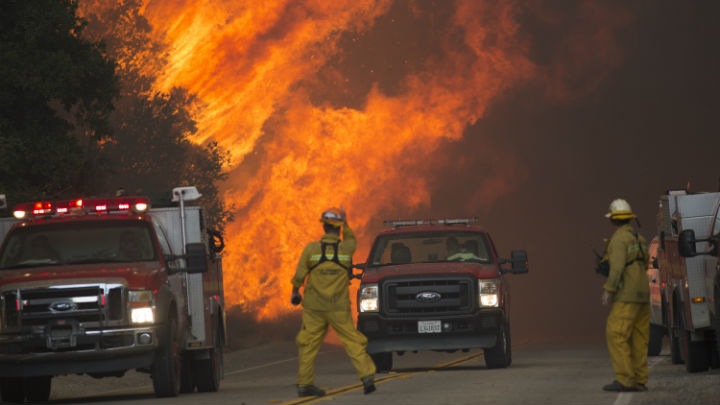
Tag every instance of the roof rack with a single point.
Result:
(434, 221)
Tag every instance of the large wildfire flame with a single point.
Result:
(255, 65)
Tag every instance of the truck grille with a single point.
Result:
(84, 305)
(456, 296)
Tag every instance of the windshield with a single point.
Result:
(78, 242)
(431, 247)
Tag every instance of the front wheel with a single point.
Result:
(655, 343)
(500, 355)
(166, 369)
(383, 361)
(210, 371)
(12, 390)
(37, 389)
(697, 356)
(716, 320)
(674, 332)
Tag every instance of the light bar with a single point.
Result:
(438, 221)
(81, 207)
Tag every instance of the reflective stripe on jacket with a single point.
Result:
(326, 288)
(628, 258)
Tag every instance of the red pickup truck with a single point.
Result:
(436, 285)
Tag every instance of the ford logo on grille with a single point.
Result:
(62, 306)
(428, 296)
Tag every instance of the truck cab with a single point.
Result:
(436, 285)
(102, 286)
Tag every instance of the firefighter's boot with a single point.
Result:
(310, 390)
(368, 384)
(618, 387)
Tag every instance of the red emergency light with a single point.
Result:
(82, 206)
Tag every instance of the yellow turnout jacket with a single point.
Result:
(327, 282)
(628, 258)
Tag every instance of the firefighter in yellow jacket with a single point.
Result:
(326, 266)
(628, 324)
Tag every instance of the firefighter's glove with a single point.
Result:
(344, 215)
(295, 298)
(606, 297)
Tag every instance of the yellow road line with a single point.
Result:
(357, 386)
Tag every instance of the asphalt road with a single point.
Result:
(540, 374)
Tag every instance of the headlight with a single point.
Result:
(369, 298)
(488, 290)
(142, 303)
(142, 315)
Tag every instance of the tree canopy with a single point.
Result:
(79, 116)
(54, 85)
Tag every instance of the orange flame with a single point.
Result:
(293, 158)
(257, 67)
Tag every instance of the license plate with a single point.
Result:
(429, 327)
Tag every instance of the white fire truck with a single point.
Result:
(101, 286)
(690, 282)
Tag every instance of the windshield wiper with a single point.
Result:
(33, 264)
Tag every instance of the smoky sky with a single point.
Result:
(639, 119)
(650, 126)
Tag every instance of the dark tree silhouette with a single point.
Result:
(56, 91)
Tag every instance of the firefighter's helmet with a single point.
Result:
(620, 209)
(332, 216)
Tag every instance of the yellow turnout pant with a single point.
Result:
(312, 333)
(628, 332)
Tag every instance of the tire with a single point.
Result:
(697, 356)
(675, 332)
(500, 355)
(187, 377)
(166, 368)
(716, 320)
(383, 361)
(655, 343)
(676, 354)
(714, 358)
(12, 390)
(209, 372)
(37, 389)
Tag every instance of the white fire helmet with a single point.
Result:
(620, 209)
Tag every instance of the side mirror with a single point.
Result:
(195, 259)
(518, 260)
(686, 243)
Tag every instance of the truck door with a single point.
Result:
(175, 280)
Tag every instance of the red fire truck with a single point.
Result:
(104, 285)
(690, 283)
